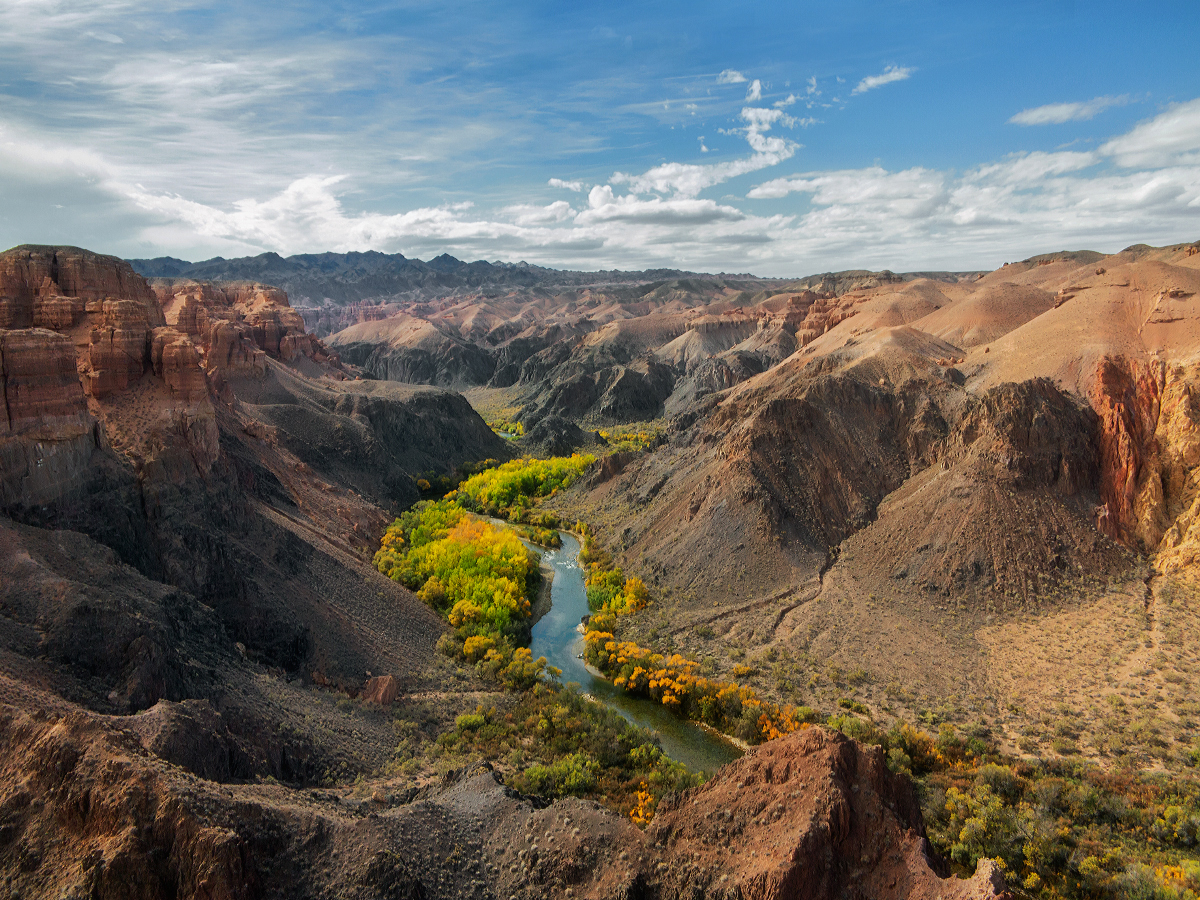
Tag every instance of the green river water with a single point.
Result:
(556, 636)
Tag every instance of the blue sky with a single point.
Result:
(779, 139)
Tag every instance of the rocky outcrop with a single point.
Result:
(237, 325)
(46, 432)
(1150, 456)
(79, 828)
(1126, 395)
(382, 690)
(232, 351)
(555, 436)
(177, 361)
(119, 348)
(806, 817)
(47, 286)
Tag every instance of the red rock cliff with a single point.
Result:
(46, 433)
(37, 284)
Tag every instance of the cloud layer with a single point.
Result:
(178, 127)
(1144, 182)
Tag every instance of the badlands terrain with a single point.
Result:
(958, 502)
(966, 497)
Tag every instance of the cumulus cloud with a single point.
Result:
(887, 76)
(1057, 113)
(754, 92)
(575, 186)
(731, 76)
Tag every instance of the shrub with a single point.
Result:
(470, 721)
(574, 774)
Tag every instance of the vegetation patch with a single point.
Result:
(672, 680)
(555, 742)
(1057, 829)
(509, 489)
(627, 439)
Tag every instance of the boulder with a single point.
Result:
(382, 689)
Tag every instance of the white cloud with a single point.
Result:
(178, 151)
(754, 92)
(689, 179)
(526, 214)
(889, 74)
(731, 76)
(785, 102)
(1057, 113)
(1170, 138)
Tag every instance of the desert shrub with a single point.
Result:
(575, 774)
(861, 730)
(470, 721)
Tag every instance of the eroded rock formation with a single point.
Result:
(47, 434)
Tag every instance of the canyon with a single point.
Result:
(960, 498)
(204, 679)
(919, 479)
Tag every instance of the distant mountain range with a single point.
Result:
(319, 279)
(338, 279)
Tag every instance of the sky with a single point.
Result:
(780, 139)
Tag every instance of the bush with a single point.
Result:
(574, 774)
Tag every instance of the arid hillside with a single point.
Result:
(927, 493)
(605, 353)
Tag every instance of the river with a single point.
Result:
(556, 637)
